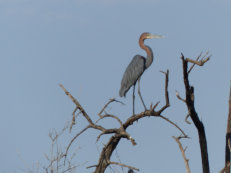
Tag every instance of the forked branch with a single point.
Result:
(120, 132)
(189, 92)
(114, 140)
(201, 62)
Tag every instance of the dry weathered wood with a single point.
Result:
(189, 90)
(228, 137)
(179, 97)
(200, 63)
(177, 139)
(108, 149)
(127, 166)
(225, 168)
(197, 61)
(118, 133)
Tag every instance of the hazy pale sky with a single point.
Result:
(86, 45)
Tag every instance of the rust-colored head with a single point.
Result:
(144, 36)
(147, 35)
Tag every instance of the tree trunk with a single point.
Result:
(107, 152)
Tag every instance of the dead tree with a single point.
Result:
(120, 132)
(117, 133)
(189, 101)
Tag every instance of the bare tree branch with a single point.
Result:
(228, 137)
(189, 90)
(154, 107)
(183, 133)
(121, 164)
(186, 119)
(179, 97)
(119, 133)
(77, 104)
(117, 156)
(183, 153)
(108, 131)
(110, 116)
(106, 105)
(200, 63)
(73, 118)
(114, 140)
(56, 157)
(183, 100)
(167, 104)
(196, 60)
(73, 139)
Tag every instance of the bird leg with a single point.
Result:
(133, 101)
(140, 94)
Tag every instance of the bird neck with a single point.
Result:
(149, 52)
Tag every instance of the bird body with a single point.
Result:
(136, 68)
(132, 73)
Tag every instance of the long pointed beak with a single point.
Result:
(155, 36)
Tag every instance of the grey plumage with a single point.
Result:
(132, 73)
(136, 68)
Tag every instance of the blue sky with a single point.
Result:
(86, 45)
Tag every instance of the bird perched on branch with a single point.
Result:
(136, 68)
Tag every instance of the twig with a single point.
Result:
(106, 105)
(111, 116)
(183, 100)
(166, 93)
(178, 96)
(69, 169)
(92, 166)
(200, 63)
(183, 153)
(183, 133)
(196, 60)
(121, 164)
(77, 104)
(108, 131)
(73, 139)
(117, 156)
(154, 107)
(186, 119)
(73, 118)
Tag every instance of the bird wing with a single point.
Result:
(132, 73)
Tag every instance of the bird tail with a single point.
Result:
(122, 92)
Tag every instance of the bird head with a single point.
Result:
(147, 35)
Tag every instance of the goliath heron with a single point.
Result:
(136, 68)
